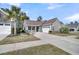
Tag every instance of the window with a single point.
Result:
(7, 24)
(71, 29)
(29, 27)
(33, 28)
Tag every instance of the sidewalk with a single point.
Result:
(16, 46)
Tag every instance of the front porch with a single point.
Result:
(34, 29)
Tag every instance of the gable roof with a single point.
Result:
(33, 23)
(49, 22)
(39, 23)
(73, 25)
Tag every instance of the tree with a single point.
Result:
(15, 15)
(39, 18)
(71, 22)
(76, 22)
(22, 17)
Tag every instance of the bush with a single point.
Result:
(78, 29)
(50, 32)
(64, 30)
(22, 31)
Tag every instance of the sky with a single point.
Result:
(65, 12)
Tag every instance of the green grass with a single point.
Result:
(38, 50)
(18, 38)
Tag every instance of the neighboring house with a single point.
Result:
(73, 27)
(4, 23)
(3, 16)
(42, 26)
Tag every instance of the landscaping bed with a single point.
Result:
(46, 49)
(18, 38)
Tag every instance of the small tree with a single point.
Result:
(39, 18)
(64, 30)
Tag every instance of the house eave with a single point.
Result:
(4, 12)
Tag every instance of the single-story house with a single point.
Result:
(42, 26)
(73, 27)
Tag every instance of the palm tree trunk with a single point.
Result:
(15, 28)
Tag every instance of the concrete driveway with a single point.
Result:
(67, 44)
(2, 36)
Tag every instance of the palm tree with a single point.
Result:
(22, 17)
(13, 16)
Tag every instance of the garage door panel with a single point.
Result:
(46, 30)
(5, 29)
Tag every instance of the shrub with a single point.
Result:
(21, 30)
(64, 30)
(78, 29)
(50, 32)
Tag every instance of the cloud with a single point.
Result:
(53, 6)
(15, 4)
(74, 17)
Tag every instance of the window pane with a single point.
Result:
(29, 27)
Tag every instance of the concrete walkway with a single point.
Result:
(17, 46)
(65, 43)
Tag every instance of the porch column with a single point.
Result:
(40, 29)
(35, 28)
(31, 28)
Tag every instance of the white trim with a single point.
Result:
(4, 12)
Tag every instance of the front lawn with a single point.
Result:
(77, 37)
(65, 34)
(46, 49)
(18, 38)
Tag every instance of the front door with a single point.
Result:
(37, 29)
(33, 28)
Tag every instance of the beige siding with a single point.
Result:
(57, 25)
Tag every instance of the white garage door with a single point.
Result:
(5, 28)
(46, 30)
